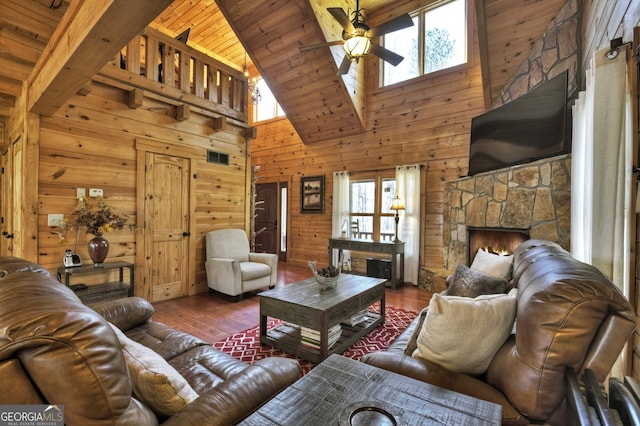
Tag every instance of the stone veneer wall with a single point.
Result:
(536, 195)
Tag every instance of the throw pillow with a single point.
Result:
(154, 381)
(493, 264)
(463, 334)
(412, 344)
(466, 282)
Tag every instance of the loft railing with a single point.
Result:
(173, 69)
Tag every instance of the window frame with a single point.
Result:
(278, 112)
(377, 177)
(421, 34)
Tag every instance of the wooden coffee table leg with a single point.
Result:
(324, 337)
(263, 327)
(382, 306)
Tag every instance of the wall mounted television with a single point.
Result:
(534, 126)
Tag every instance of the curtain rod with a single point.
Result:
(614, 44)
(384, 169)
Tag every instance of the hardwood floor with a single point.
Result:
(214, 317)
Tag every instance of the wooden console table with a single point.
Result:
(396, 250)
(105, 291)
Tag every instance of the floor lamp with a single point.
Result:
(397, 205)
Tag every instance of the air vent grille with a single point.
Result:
(217, 158)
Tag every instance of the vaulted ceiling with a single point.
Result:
(319, 104)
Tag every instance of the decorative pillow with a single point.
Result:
(154, 381)
(412, 344)
(466, 282)
(493, 264)
(463, 334)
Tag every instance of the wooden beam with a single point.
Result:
(483, 44)
(251, 132)
(90, 34)
(86, 88)
(136, 97)
(219, 123)
(182, 112)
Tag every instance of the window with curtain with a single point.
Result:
(370, 199)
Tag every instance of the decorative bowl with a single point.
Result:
(325, 278)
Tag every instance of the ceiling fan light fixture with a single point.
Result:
(357, 46)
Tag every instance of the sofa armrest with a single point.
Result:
(241, 394)
(224, 275)
(125, 313)
(266, 258)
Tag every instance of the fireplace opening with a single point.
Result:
(501, 241)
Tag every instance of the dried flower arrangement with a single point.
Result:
(97, 218)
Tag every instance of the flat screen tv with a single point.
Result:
(534, 126)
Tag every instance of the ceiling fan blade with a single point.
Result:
(344, 66)
(395, 24)
(386, 55)
(317, 46)
(342, 18)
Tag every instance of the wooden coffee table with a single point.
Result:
(304, 304)
(341, 391)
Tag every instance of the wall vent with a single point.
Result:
(217, 157)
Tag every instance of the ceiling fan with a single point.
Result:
(357, 35)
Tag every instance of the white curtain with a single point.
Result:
(340, 213)
(602, 185)
(408, 188)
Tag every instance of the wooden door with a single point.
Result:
(167, 225)
(266, 222)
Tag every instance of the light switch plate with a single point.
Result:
(54, 219)
(81, 192)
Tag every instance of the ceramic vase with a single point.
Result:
(98, 250)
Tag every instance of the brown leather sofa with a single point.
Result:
(56, 350)
(568, 314)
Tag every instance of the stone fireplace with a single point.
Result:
(533, 200)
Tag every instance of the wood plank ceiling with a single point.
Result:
(320, 105)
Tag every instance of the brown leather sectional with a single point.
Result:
(568, 315)
(56, 350)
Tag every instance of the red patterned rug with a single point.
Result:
(246, 347)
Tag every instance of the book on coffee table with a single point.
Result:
(311, 338)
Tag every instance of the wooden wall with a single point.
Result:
(425, 120)
(90, 143)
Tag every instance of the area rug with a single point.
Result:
(246, 346)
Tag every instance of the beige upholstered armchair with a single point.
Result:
(232, 269)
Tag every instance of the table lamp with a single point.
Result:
(397, 205)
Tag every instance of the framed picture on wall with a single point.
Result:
(312, 194)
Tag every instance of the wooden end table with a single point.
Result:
(304, 304)
(341, 391)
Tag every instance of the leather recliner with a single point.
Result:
(568, 314)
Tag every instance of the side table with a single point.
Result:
(103, 291)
